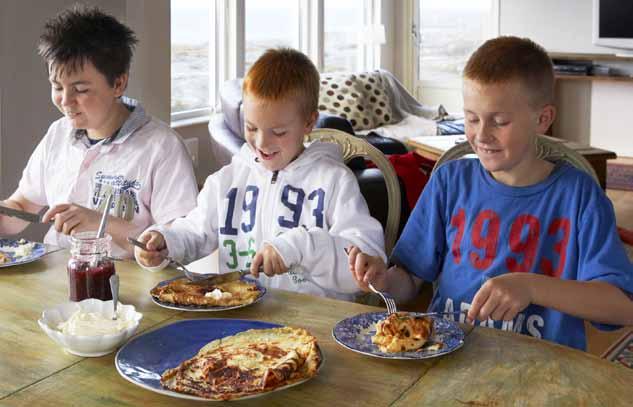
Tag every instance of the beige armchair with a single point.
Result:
(356, 147)
(547, 148)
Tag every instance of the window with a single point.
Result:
(270, 24)
(343, 21)
(217, 40)
(449, 32)
(190, 34)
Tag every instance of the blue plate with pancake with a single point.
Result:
(145, 357)
(11, 258)
(355, 334)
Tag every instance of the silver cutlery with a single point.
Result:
(390, 302)
(27, 216)
(114, 287)
(190, 275)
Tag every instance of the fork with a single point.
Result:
(440, 313)
(390, 302)
(178, 265)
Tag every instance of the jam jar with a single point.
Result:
(90, 267)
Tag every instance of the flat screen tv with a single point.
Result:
(613, 24)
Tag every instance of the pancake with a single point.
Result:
(185, 292)
(248, 363)
(401, 332)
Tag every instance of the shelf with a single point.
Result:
(590, 57)
(602, 78)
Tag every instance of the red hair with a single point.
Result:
(505, 59)
(284, 72)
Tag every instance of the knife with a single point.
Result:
(27, 216)
(199, 278)
(225, 277)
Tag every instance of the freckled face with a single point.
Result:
(501, 126)
(275, 130)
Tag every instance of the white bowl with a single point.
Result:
(89, 346)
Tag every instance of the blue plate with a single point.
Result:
(144, 358)
(205, 308)
(38, 251)
(355, 333)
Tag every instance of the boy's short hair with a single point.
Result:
(284, 72)
(81, 34)
(508, 58)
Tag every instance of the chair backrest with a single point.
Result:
(352, 147)
(547, 148)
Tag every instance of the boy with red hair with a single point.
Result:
(278, 205)
(517, 242)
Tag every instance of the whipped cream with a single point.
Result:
(23, 249)
(94, 324)
(218, 294)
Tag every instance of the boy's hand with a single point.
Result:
(270, 260)
(72, 218)
(501, 298)
(367, 269)
(156, 249)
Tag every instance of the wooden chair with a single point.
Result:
(547, 148)
(352, 147)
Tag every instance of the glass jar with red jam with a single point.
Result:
(90, 267)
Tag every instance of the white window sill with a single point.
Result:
(192, 121)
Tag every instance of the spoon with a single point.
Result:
(104, 217)
(114, 287)
(102, 224)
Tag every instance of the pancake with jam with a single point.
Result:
(248, 363)
(401, 332)
(184, 292)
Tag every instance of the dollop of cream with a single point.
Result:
(93, 324)
(23, 249)
(217, 294)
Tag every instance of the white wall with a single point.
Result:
(25, 107)
(558, 25)
(596, 112)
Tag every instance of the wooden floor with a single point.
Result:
(599, 341)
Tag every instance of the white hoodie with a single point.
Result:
(309, 212)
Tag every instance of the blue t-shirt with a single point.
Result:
(467, 228)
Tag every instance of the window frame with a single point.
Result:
(227, 45)
(451, 85)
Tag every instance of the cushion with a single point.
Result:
(231, 102)
(360, 98)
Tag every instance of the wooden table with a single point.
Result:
(492, 368)
(432, 148)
